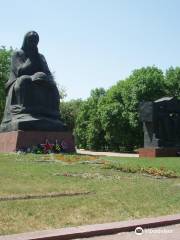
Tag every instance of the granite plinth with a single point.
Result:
(159, 152)
(16, 140)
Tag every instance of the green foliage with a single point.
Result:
(89, 132)
(172, 81)
(62, 92)
(145, 84)
(110, 110)
(110, 120)
(69, 111)
(5, 56)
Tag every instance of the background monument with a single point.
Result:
(161, 126)
(31, 113)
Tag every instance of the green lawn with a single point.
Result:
(114, 195)
(169, 167)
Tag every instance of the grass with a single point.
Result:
(114, 195)
(167, 167)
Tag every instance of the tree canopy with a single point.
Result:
(5, 58)
(110, 121)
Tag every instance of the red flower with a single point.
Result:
(47, 147)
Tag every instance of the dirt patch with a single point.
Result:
(40, 196)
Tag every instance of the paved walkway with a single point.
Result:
(111, 154)
(165, 233)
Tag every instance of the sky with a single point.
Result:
(94, 43)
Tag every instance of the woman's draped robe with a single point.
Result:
(32, 101)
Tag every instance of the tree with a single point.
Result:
(62, 92)
(110, 120)
(172, 81)
(5, 58)
(145, 84)
(110, 111)
(88, 131)
(69, 112)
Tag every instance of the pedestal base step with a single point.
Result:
(159, 152)
(17, 140)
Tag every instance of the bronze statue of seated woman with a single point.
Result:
(32, 101)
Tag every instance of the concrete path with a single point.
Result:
(164, 233)
(111, 154)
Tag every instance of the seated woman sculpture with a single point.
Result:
(32, 101)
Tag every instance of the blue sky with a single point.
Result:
(95, 43)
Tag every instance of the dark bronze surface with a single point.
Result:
(32, 100)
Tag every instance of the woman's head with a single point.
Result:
(30, 42)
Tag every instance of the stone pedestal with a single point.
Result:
(15, 140)
(159, 152)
